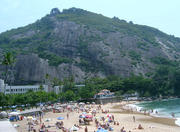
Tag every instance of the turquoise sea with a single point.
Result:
(164, 108)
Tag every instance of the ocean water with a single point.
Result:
(165, 108)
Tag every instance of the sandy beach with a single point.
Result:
(124, 117)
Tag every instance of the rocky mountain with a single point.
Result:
(85, 44)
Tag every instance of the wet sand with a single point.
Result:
(161, 120)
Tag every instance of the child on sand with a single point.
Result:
(140, 127)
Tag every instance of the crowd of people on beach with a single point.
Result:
(87, 115)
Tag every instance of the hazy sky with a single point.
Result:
(162, 14)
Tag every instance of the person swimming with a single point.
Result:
(172, 114)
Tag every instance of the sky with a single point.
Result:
(161, 14)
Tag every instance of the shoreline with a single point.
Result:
(155, 119)
(122, 116)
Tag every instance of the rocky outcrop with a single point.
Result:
(55, 11)
(66, 43)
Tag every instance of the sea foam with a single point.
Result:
(135, 107)
(177, 122)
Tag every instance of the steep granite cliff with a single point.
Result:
(84, 44)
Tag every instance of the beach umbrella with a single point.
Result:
(14, 106)
(16, 125)
(82, 116)
(94, 110)
(97, 117)
(47, 119)
(108, 115)
(101, 130)
(29, 117)
(68, 106)
(84, 113)
(81, 103)
(60, 118)
(73, 128)
(13, 114)
(59, 108)
(89, 116)
(34, 119)
(3, 114)
(107, 120)
(63, 105)
(49, 107)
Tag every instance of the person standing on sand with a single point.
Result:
(156, 112)
(134, 119)
(67, 115)
(40, 120)
(113, 117)
(122, 130)
(86, 129)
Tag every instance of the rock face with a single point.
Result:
(84, 44)
(55, 11)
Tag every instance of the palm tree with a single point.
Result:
(47, 81)
(8, 61)
(47, 77)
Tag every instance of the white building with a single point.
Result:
(57, 89)
(24, 88)
(104, 94)
(2, 85)
(19, 89)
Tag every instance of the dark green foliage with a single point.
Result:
(53, 59)
(134, 55)
(8, 61)
(89, 65)
(45, 24)
(69, 84)
(28, 98)
(39, 36)
(165, 82)
(105, 24)
(90, 20)
(143, 45)
(176, 82)
(163, 61)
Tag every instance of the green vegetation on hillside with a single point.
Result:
(105, 24)
(39, 36)
(45, 39)
(53, 59)
(134, 55)
(164, 61)
(164, 82)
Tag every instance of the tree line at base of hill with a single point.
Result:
(164, 82)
